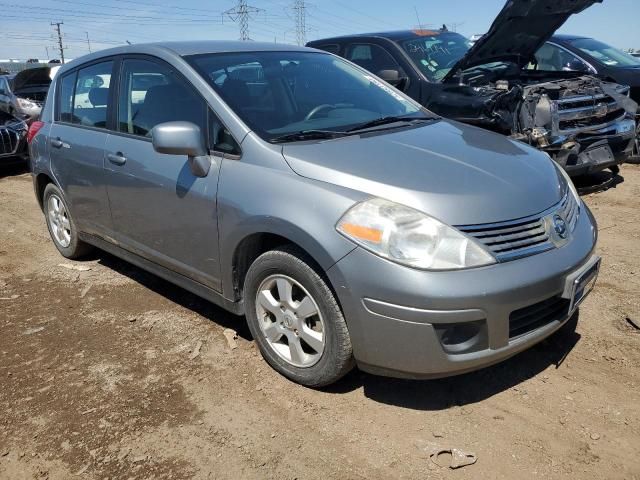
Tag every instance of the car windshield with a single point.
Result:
(282, 93)
(604, 53)
(436, 52)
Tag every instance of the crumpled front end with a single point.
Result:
(13, 138)
(584, 124)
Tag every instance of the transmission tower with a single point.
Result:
(300, 9)
(60, 47)
(241, 14)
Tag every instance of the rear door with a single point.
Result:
(76, 143)
(160, 210)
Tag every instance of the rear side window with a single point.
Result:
(330, 47)
(83, 96)
(152, 93)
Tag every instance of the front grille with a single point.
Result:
(586, 112)
(526, 236)
(538, 315)
(9, 140)
(589, 122)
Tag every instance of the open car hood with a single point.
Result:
(521, 27)
(32, 77)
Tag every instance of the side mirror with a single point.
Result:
(183, 138)
(392, 77)
(575, 65)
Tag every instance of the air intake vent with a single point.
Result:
(537, 315)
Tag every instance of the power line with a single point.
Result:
(300, 10)
(241, 14)
(57, 26)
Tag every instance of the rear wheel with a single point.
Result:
(61, 226)
(296, 320)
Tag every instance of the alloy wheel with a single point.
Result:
(290, 320)
(59, 221)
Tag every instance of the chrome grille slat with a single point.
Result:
(9, 141)
(501, 246)
(525, 236)
(580, 113)
(495, 239)
(489, 233)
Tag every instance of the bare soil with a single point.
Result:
(113, 373)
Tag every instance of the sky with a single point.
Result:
(26, 31)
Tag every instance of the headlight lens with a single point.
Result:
(26, 103)
(570, 185)
(410, 237)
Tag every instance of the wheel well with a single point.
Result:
(251, 248)
(42, 180)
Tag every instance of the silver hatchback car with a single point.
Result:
(346, 222)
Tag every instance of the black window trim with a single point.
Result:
(209, 108)
(74, 71)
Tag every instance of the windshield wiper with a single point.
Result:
(308, 135)
(391, 119)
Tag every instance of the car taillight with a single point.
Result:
(34, 128)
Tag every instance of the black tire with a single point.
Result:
(336, 359)
(76, 247)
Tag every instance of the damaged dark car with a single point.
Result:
(13, 139)
(23, 94)
(584, 123)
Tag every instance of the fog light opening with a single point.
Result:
(462, 337)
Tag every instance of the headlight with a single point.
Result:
(570, 185)
(26, 103)
(407, 236)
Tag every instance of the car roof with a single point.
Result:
(392, 35)
(186, 48)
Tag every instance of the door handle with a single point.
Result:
(57, 143)
(117, 158)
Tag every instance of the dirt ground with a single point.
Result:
(110, 372)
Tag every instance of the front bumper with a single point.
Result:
(400, 319)
(595, 151)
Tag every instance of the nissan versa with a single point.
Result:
(349, 224)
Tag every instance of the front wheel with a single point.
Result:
(295, 319)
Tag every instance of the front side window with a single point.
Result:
(278, 93)
(604, 53)
(152, 93)
(551, 58)
(435, 52)
(91, 95)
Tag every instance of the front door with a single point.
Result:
(160, 210)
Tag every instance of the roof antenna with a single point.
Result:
(418, 17)
(444, 28)
(128, 42)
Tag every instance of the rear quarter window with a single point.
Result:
(65, 98)
(329, 47)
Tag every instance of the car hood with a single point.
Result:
(459, 174)
(521, 27)
(31, 77)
